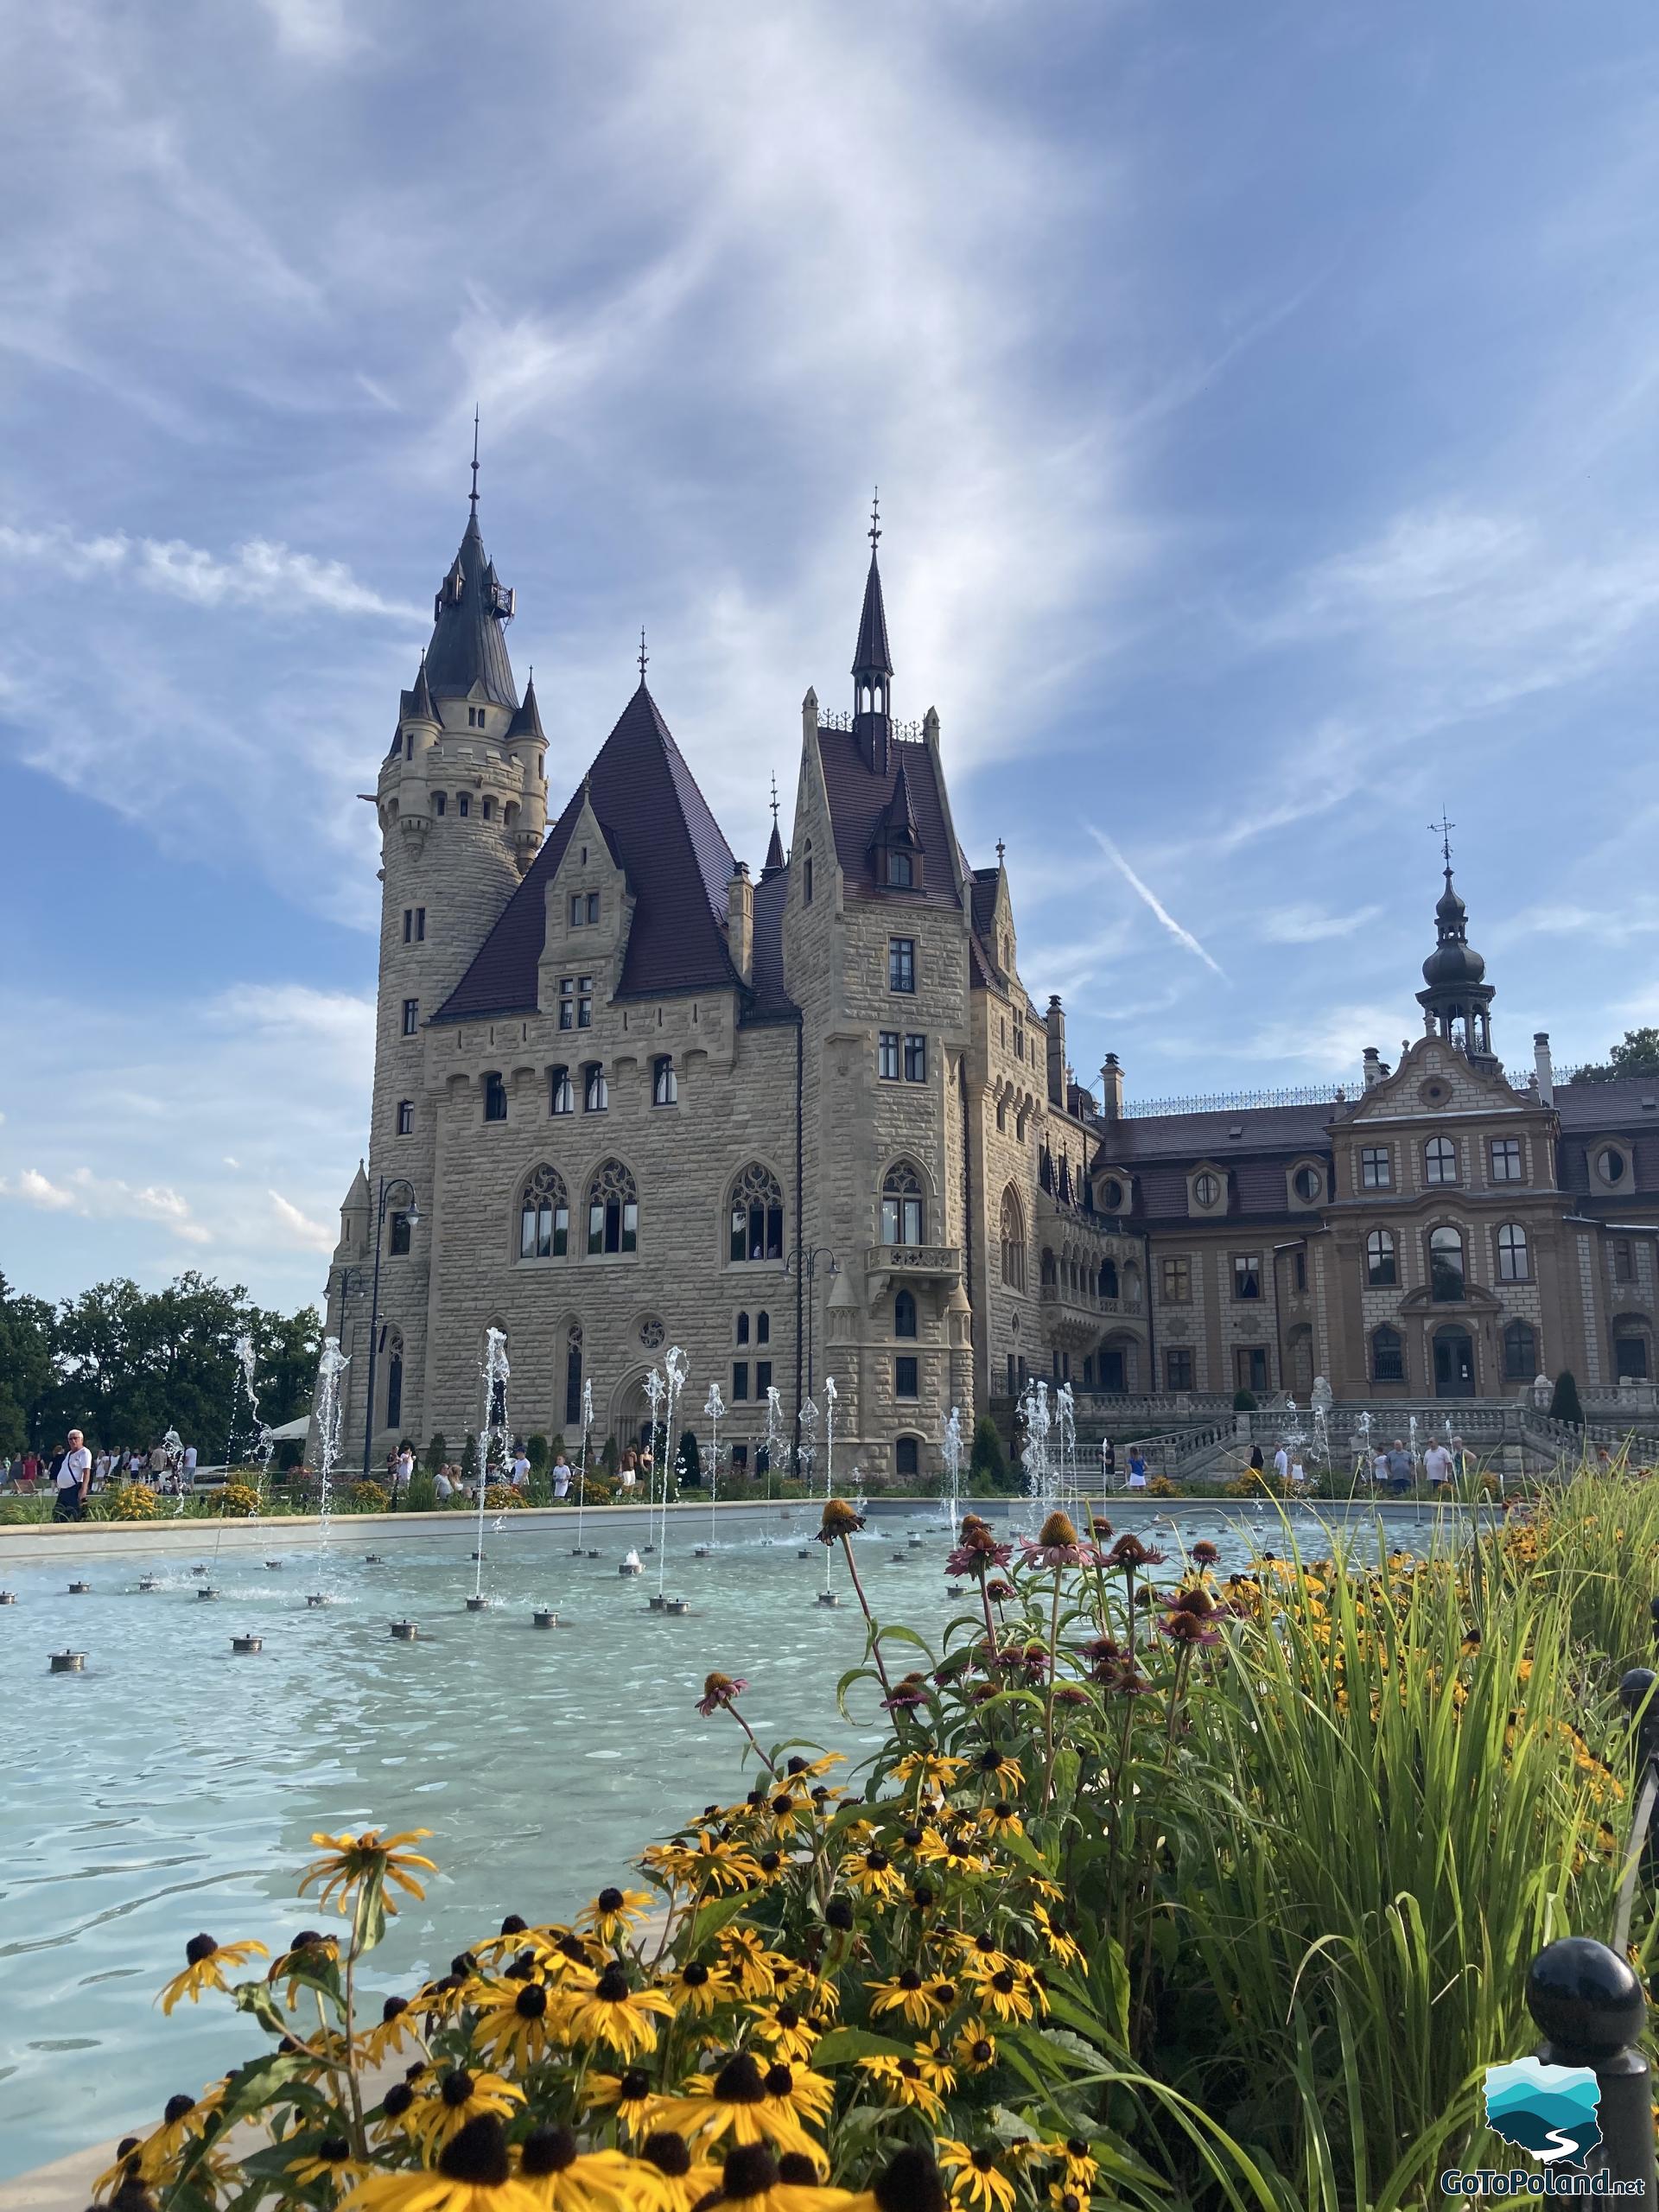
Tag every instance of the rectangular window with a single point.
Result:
(1251, 1368)
(463, 805)
(411, 1016)
(1178, 1282)
(1505, 1154)
(439, 801)
(567, 1001)
(495, 1097)
(886, 1055)
(762, 1377)
(1247, 1275)
(1387, 1357)
(399, 1242)
(739, 1380)
(408, 925)
(901, 963)
(1018, 1039)
(904, 1376)
(1299, 1268)
(1178, 1369)
(405, 1117)
(1624, 1260)
(592, 907)
(742, 1328)
(596, 1093)
(664, 1083)
(578, 908)
(584, 1002)
(562, 1095)
(915, 1059)
(1375, 1168)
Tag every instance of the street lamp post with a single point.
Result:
(803, 1262)
(388, 1185)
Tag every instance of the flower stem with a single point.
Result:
(1053, 1675)
(876, 1633)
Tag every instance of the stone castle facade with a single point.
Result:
(809, 1123)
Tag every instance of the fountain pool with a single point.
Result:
(173, 1786)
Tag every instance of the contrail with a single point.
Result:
(1145, 891)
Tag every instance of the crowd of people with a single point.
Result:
(71, 1472)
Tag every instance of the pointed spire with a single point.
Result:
(527, 718)
(469, 613)
(872, 657)
(775, 850)
(896, 824)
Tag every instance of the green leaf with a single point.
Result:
(711, 1919)
(843, 2044)
(254, 1997)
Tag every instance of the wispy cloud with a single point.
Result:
(298, 1229)
(1312, 925)
(258, 573)
(1145, 892)
(105, 1197)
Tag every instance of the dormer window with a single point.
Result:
(900, 871)
(1206, 1190)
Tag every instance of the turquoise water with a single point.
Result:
(173, 1787)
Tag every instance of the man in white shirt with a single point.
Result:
(74, 1472)
(520, 1470)
(443, 1485)
(189, 1463)
(1437, 1463)
(1281, 1463)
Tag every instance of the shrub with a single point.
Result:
(423, 1493)
(127, 1502)
(238, 1501)
(1564, 1405)
(435, 1453)
(290, 1453)
(987, 1460)
(368, 1497)
(1161, 1486)
(1243, 1402)
(609, 1457)
(469, 1458)
(537, 1453)
(501, 1498)
(689, 1468)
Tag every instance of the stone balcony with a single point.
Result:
(917, 1262)
(1075, 1318)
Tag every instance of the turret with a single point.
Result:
(1457, 1000)
(873, 666)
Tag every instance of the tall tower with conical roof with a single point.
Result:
(461, 798)
(872, 665)
(1457, 999)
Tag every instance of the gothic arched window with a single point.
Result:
(1108, 1278)
(1014, 1238)
(1382, 1268)
(904, 1208)
(545, 1216)
(904, 1314)
(1446, 1272)
(613, 1210)
(756, 1215)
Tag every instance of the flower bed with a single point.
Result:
(1160, 1891)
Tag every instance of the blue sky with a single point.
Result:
(1261, 399)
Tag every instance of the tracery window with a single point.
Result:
(545, 1216)
(756, 1215)
(903, 1210)
(613, 1210)
(1013, 1239)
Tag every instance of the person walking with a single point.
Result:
(158, 1468)
(1401, 1471)
(627, 1473)
(519, 1476)
(74, 1471)
(561, 1478)
(189, 1466)
(1258, 1465)
(1281, 1463)
(1137, 1468)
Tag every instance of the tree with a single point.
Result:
(437, 1452)
(987, 1460)
(1637, 1055)
(25, 1364)
(537, 1453)
(1243, 1402)
(1564, 1406)
(690, 1460)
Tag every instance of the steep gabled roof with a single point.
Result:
(469, 647)
(859, 798)
(774, 856)
(657, 825)
(527, 719)
(770, 1000)
(896, 824)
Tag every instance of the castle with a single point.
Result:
(810, 1124)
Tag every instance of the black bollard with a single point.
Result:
(1591, 2008)
(1653, 1615)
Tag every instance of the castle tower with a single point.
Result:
(1458, 1000)
(461, 798)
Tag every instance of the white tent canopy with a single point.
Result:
(292, 1432)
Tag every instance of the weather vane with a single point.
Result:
(642, 656)
(1445, 828)
(874, 530)
(473, 494)
(774, 798)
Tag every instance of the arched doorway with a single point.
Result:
(1455, 1364)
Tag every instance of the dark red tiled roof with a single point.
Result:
(657, 825)
(858, 798)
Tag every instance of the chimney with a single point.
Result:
(1111, 1089)
(1054, 1021)
(739, 920)
(1540, 1061)
(1373, 1067)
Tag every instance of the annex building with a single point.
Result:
(807, 1121)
